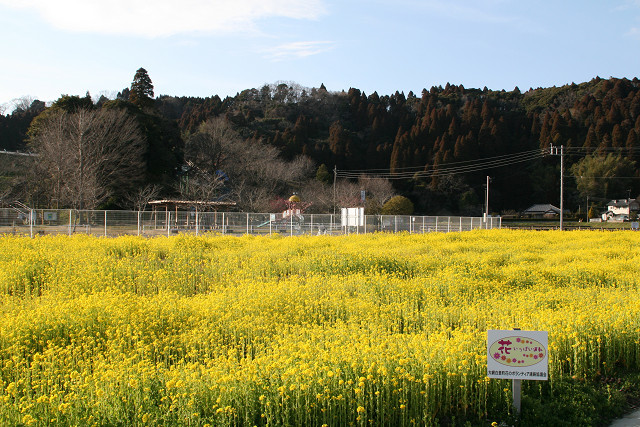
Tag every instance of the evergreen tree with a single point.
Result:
(590, 170)
(323, 175)
(398, 205)
(337, 141)
(592, 140)
(618, 138)
(141, 93)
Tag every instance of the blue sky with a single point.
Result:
(208, 47)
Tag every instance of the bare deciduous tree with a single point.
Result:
(139, 198)
(255, 171)
(378, 192)
(89, 155)
(202, 178)
(330, 198)
(23, 103)
(319, 194)
(348, 194)
(5, 193)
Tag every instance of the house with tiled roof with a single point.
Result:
(541, 211)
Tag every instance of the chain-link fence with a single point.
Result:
(166, 223)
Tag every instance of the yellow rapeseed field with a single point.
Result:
(376, 329)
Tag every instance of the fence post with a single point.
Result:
(197, 222)
(138, 223)
(168, 223)
(105, 223)
(70, 222)
(448, 224)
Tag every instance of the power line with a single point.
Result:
(469, 166)
(601, 150)
(602, 177)
(447, 168)
(592, 149)
(462, 162)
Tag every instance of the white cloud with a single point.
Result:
(627, 5)
(166, 17)
(633, 6)
(485, 11)
(298, 50)
(634, 32)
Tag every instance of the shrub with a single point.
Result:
(398, 205)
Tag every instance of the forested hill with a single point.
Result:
(357, 131)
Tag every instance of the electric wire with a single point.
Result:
(469, 166)
(451, 168)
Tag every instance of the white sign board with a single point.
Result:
(352, 217)
(518, 355)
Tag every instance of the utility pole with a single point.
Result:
(486, 213)
(554, 151)
(335, 177)
(587, 208)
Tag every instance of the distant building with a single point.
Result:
(541, 211)
(620, 209)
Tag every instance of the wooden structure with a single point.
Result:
(174, 206)
(185, 205)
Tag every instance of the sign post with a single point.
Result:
(516, 394)
(517, 355)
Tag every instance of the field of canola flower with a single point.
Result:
(358, 330)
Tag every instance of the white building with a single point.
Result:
(620, 209)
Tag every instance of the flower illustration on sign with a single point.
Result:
(517, 351)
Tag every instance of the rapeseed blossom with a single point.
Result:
(366, 329)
